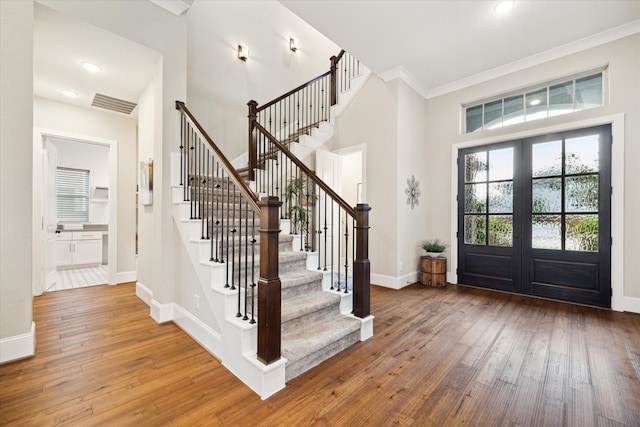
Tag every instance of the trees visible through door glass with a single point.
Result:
(547, 159)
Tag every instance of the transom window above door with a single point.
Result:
(564, 96)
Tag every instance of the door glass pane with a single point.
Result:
(546, 195)
(501, 164)
(546, 231)
(582, 154)
(475, 229)
(547, 159)
(561, 99)
(582, 233)
(474, 118)
(536, 104)
(513, 110)
(475, 198)
(589, 92)
(493, 114)
(581, 193)
(501, 197)
(501, 230)
(475, 167)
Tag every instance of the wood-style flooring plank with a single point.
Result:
(440, 356)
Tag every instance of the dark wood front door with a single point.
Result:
(534, 216)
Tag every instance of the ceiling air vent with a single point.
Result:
(113, 104)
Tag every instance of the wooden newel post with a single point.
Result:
(361, 266)
(333, 90)
(269, 321)
(253, 143)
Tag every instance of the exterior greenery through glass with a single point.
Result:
(576, 93)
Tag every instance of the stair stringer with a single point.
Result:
(235, 344)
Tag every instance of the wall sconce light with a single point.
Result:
(293, 44)
(243, 52)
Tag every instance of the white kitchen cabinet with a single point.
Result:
(79, 248)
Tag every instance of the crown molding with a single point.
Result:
(598, 39)
(400, 72)
(177, 7)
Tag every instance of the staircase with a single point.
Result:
(218, 220)
(304, 133)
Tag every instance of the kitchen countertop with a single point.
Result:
(88, 227)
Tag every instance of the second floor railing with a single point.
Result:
(300, 110)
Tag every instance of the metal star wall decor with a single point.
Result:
(412, 191)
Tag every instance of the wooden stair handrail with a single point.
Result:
(291, 92)
(302, 86)
(235, 177)
(341, 202)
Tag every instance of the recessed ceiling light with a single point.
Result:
(503, 6)
(90, 66)
(535, 102)
(69, 93)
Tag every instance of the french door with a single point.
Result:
(534, 216)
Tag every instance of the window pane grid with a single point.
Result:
(556, 98)
(488, 198)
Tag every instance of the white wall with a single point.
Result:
(145, 23)
(220, 85)
(389, 119)
(90, 122)
(442, 121)
(149, 113)
(413, 160)
(95, 159)
(16, 134)
(372, 119)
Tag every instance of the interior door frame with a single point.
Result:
(617, 199)
(39, 134)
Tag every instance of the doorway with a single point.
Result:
(534, 216)
(100, 226)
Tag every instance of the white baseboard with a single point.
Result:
(631, 304)
(144, 293)
(204, 335)
(126, 276)
(394, 282)
(18, 346)
(161, 313)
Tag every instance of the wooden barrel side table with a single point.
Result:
(433, 271)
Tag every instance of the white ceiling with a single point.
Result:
(439, 46)
(436, 46)
(61, 43)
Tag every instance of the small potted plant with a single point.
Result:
(434, 248)
(433, 267)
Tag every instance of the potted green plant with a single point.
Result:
(434, 248)
(300, 198)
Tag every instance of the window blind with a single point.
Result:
(72, 194)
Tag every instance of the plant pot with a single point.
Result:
(434, 254)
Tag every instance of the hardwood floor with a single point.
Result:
(442, 357)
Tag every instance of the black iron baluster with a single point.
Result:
(232, 241)
(353, 249)
(217, 220)
(253, 267)
(246, 260)
(346, 252)
(182, 120)
(306, 216)
(226, 215)
(238, 238)
(332, 239)
(325, 231)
